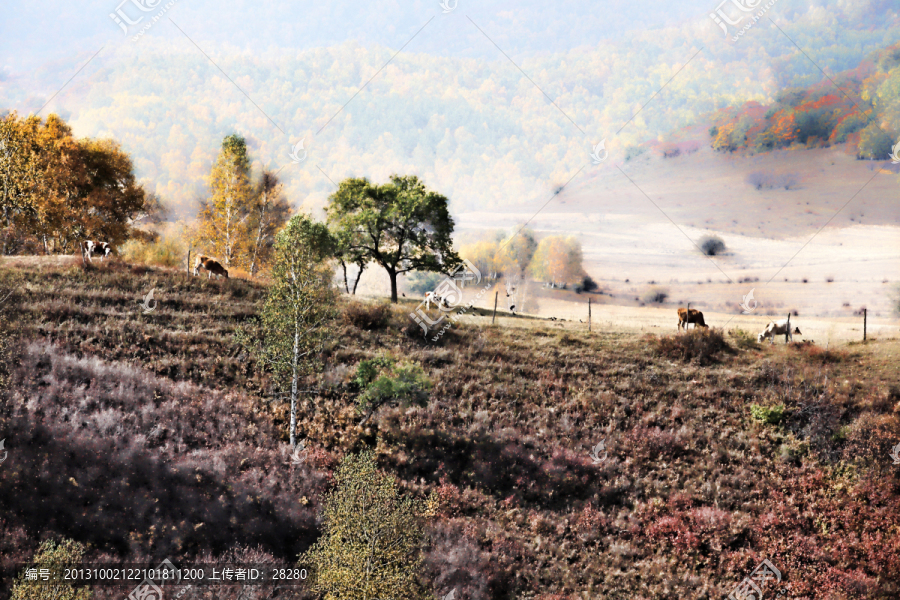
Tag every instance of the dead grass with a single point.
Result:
(366, 315)
(700, 344)
(686, 472)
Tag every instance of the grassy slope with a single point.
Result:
(693, 495)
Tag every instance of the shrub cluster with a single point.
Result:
(700, 344)
(367, 316)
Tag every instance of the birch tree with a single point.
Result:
(300, 306)
(223, 217)
(268, 213)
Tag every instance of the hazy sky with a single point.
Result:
(490, 101)
(35, 32)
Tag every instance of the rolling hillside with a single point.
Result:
(150, 435)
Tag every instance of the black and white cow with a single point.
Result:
(91, 248)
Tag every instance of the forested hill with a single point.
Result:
(860, 107)
(449, 107)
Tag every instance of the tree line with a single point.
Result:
(401, 225)
(58, 190)
(555, 260)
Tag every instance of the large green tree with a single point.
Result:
(370, 545)
(299, 308)
(401, 225)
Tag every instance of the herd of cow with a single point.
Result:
(91, 248)
(687, 316)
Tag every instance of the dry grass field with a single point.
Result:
(149, 435)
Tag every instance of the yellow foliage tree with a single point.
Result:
(223, 217)
(557, 261)
(483, 255)
(516, 252)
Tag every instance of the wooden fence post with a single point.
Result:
(865, 318)
(189, 261)
(494, 318)
(589, 314)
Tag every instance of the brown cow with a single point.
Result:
(688, 316)
(211, 266)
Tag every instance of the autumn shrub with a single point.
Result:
(761, 180)
(591, 523)
(702, 529)
(743, 339)
(163, 252)
(455, 560)
(874, 143)
(587, 285)
(385, 382)
(176, 467)
(770, 415)
(11, 291)
(55, 556)
(655, 296)
(702, 344)
(649, 443)
(818, 354)
(367, 316)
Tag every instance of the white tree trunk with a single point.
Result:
(294, 375)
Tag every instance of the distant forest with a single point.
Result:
(475, 128)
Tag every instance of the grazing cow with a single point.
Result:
(90, 247)
(211, 266)
(782, 327)
(437, 300)
(687, 316)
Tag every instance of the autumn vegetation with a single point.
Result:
(863, 112)
(161, 435)
(269, 417)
